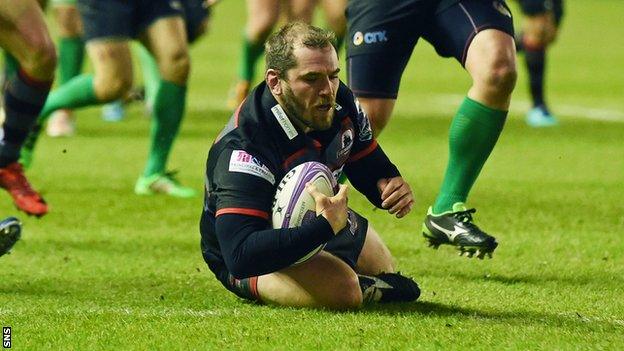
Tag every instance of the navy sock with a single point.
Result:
(535, 61)
(24, 98)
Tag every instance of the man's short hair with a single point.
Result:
(280, 46)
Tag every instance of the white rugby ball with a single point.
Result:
(293, 205)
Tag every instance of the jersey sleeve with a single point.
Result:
(242, 184)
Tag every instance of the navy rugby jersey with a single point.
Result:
(258, 146)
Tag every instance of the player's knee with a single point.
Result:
(175, 67)
(69, 23)
(42, 59)
(112, 88)
(502, 75)
(261, 27)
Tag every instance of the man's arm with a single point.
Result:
(244, 189)
(250, 249)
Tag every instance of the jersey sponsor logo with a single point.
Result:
(242, 162)
(501, 8)
(379, 36)
(365, 133)
(284, 121)
(347, 139)
(346, 142)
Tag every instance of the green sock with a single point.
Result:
(10, 65)
(473, 134)
(77, 92)
(250, 55)
(151, 74)
(168, 113)
(71, 55)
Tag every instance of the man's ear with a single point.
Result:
(272, 79)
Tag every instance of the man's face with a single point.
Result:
(309, 92)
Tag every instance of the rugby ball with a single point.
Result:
(293, 205)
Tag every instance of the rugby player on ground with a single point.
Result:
(300, 113)
(24, 36)
(539, 29)
(479, 34)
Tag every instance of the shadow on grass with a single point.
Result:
(578, 279)
(520, 317)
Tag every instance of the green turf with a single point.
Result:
(110, 270)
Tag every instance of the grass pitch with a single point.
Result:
(110, 270)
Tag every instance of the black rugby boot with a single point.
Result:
(10, 231)
(388, 287)
(456, 228)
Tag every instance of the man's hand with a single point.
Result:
(396, 196)
(334, 208)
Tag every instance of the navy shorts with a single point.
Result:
(347, 246)
(195, 13)
(383, 34)
(123, 19)
(536, 7)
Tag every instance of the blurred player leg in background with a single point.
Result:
(335, 16)
(70, 56)
(303, 10)
(262, 15)
(24, 35)
(539, 30)
(109, 26)
(166, 40)
(196, 18)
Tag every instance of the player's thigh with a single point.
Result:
(196, 18)
(301, 10)
(323, 281)
(112, 63)
(67, 18)
(381, 37)
(166, 40)
(23, 33)
(453, 29)
(375, 257)
(262, 15)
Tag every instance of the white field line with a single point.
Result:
(448, 103)
(124, 311)
(187, 312)
(590, 319)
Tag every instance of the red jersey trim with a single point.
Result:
(243, 211)
(364, 152)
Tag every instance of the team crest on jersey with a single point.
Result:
(501, 8)
(365, 133)
(243, 162)
(346, 142)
